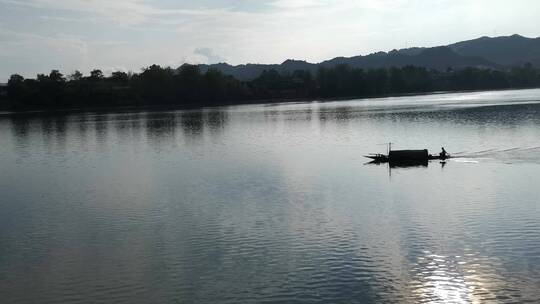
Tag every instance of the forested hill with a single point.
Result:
(189, 86)
(480, 64)
(485, 52)
(512, 50)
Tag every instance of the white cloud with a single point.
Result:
(296, 4)
(209, 55)
(126, 12)
(13, 42)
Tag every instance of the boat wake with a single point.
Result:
(509, 155)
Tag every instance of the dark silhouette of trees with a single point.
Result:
(75, 76)
(525, 76)
(119, 77)
(96, 75)
(188, 86)
(16, 86)
(56, 76)
(155, 84)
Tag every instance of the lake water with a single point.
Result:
(274, 203)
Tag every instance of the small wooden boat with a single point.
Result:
(406, 156)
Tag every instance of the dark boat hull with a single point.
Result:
(406, 156)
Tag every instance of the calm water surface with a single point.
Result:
(274, 204)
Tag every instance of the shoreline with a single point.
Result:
(158, 108)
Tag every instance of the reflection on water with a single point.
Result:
(274, 203)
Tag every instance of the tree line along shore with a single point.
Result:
(189, 86)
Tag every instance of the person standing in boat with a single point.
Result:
(443, 153)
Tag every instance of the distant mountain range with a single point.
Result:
(485, 52)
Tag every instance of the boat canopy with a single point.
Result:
(402, 155)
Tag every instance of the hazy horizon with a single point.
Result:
(127, 35)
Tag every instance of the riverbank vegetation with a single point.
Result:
(188, 86)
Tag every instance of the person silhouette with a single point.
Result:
(443, 153)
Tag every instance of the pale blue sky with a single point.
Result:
(39, 35)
